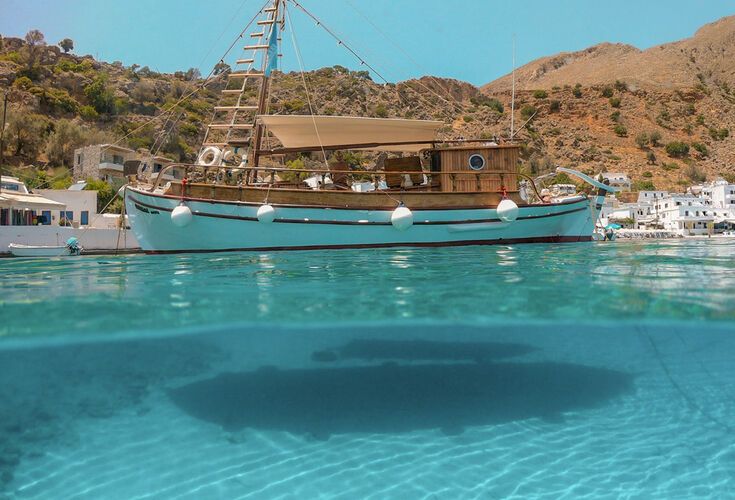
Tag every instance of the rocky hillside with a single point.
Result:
(600, 108)
(663, 115)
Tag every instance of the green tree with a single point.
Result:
(540, 94)
(222, 67)
(26, 132)
(718, 134)
(66, 137)
(700, 148)
(615, 102)
(655, 138)
(644, 186)
(105, 192)
(642, 140)
(607, 92)
(621, 86)
(577, 92)
(677, 149)
(67, 45)
(34, 42)
(620, 130)
(528, 111)
(695, 174)
(99, 95)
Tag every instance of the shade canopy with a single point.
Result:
(299, 131)
(29, 201)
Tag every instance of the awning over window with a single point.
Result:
(299, 131)
(28, 201)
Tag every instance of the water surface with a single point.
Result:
(552, 371)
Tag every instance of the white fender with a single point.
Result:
(401, 218)
(507, 210)
(181, 216)
(214, 152)
(266, 214)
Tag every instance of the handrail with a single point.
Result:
(533, 183)
(326, 171)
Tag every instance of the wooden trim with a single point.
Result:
(340, 207)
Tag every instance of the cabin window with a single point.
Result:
(85, 217)
(477, 162)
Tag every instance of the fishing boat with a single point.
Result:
(420, 191)
(71, 248)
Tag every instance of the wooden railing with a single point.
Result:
(373, 174)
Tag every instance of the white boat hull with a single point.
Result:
(233, 226)
(39, 251)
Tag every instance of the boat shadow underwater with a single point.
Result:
(398, 398)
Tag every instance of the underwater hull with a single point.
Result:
(233, 226)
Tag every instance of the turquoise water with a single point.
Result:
(537, 371)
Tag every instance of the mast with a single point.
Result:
(268, 63)
(235, 124)
(513, 94)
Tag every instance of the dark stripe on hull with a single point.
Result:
(355, 223)
(513, 241)
(335, 207)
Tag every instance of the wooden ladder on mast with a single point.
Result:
(234, 124)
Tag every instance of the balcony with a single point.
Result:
(111, 168)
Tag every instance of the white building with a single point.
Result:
(81, 205)
(19, 207)
(720, 193)
(651, 196)
(54, 217)
(618, 180)
(685, 215)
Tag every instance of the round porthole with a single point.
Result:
(477, 162)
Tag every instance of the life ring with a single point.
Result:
(214, 152)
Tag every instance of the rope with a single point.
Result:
(122, 221)
(408, 56)
(306, 87)
(200, 87)
(339, 41)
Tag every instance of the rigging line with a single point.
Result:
(333, 35)
(303, 78)
(167, 134)
(419, 95)
(202, 85)
(408, 56)
(224, 30)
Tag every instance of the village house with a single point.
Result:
(113, 164)
(618, 180)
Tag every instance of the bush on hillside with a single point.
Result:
(677, 149)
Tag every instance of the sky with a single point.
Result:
(469, 40)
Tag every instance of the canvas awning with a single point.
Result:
(28, 201)
(299, 131)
